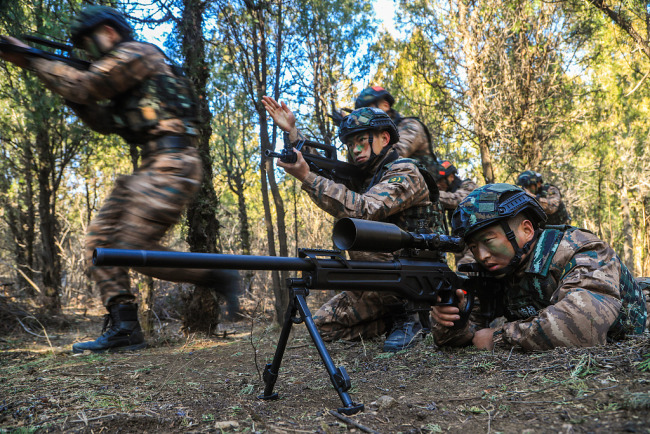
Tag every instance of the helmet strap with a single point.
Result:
(519, 251)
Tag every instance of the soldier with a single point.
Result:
(548, 196)
(151, 105)
(395, 191)
(559, 287)
(414, 140)
(414, 137)
(452, 188)
(452, 191)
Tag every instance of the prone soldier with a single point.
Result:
(560, 286)
(395, 190)
(151, 105)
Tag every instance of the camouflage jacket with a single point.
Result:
(133, 91)
(401, 187)
(413, 138)
(572, 291)
(452, 197)
(550, 199)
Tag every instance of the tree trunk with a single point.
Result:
(51, 263)
(202, 311)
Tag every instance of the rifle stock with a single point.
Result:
(417, 274)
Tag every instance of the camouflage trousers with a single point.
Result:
(351, 315)
(138, 213)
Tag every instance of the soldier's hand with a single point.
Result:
(15, 58)
(283, 117)
(299, 169)
(446, 315)
(484, 339)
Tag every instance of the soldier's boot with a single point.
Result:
(406, 332)
(227, 283)
(121, 331)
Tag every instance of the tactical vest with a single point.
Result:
(429, 161)
(561, 216)
(525, 297)
(420, 219)
(137, 111)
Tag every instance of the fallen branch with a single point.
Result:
(352, 422)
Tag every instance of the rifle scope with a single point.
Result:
(371, 236)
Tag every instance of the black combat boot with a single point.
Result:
(227, 283)
(121, 331)
(406, 332)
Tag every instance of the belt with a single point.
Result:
(173, 142)
(168, 142)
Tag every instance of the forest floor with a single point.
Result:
(194, 384)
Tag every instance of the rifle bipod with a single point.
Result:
(338, 376)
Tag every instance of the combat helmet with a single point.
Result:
(367, 119)
(371, 95)
(528, 178)
(496, 204)
(92, 16)
(444, 168)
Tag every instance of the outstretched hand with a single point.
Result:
(15, 58)
(283, 117)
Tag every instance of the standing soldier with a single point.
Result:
(559, 286)
(151, 105)
(548, 196)
(395, 190)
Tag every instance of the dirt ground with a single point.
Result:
(195, 384)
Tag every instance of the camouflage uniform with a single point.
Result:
(550, 198)
(571, 291)
(150, 105)
(414, 140)
(450, 199)
(644, 284)
(400, 191)
(457, 192)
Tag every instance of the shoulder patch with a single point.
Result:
(396, 179)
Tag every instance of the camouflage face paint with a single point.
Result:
(491, 248)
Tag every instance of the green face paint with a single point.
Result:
(491, 248)
(91, 48)
(357, 145)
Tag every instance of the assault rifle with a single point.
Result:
(326, 164)
(417, 274)
(8, 47)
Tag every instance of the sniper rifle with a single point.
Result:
(417, 274)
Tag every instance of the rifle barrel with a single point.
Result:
(155, 258)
